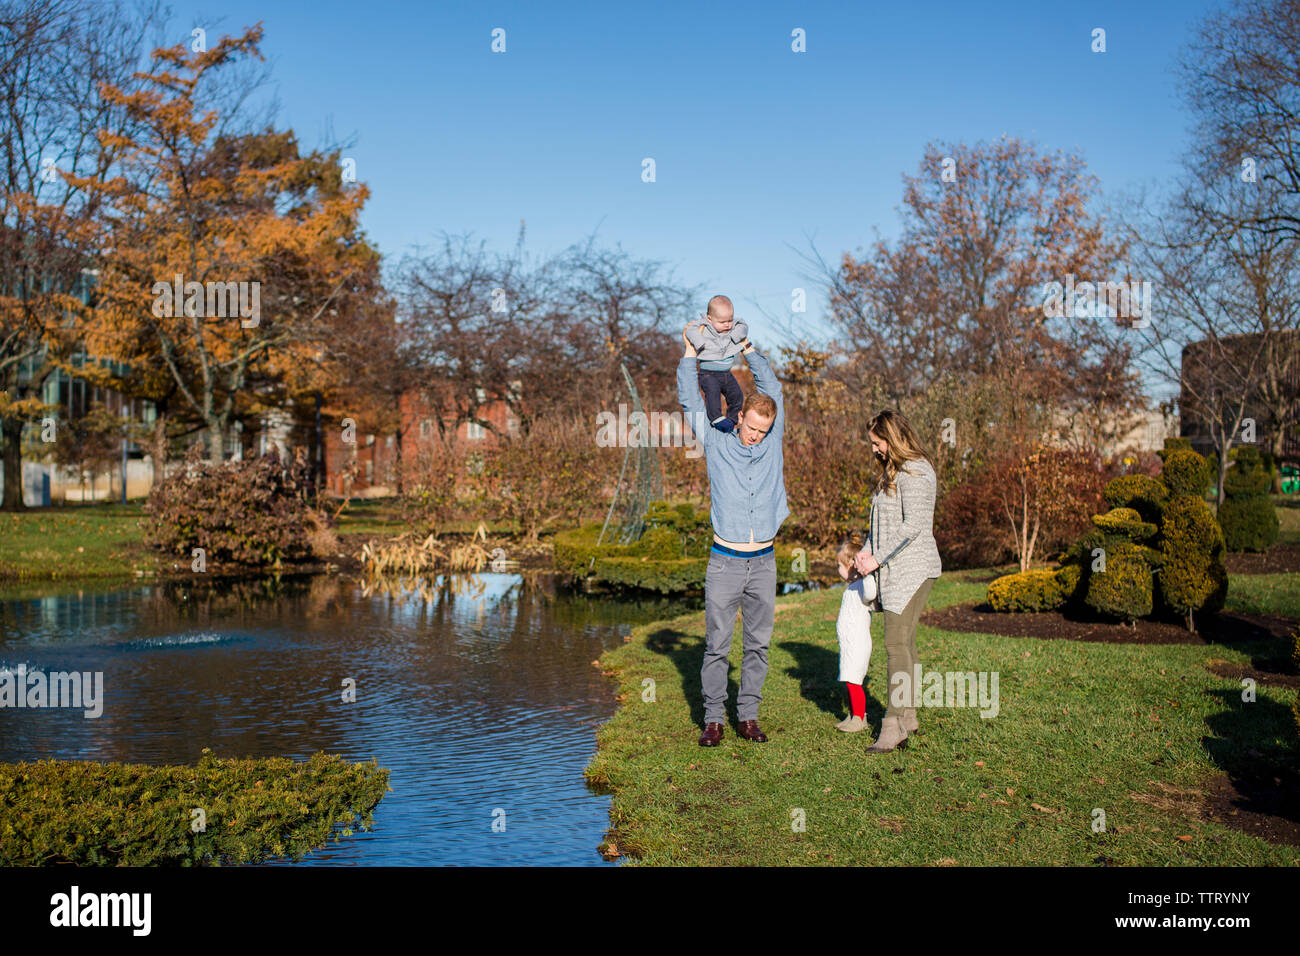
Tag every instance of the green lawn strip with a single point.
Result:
(43, 543)
(1288, 518)
(1265, 594)
(1081, 727)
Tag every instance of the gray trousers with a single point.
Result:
(750, 585)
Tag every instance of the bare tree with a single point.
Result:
(957, 304)
(54, 56)
(1241, 77)
(543, 337)
(1226, 330)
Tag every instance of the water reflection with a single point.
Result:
(477, 692)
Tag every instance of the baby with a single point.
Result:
(853, 628)
(717, 342)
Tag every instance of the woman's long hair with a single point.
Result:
(904, 446)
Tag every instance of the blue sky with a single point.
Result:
(757, 148)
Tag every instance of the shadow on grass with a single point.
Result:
(817, 670)
(1244, 748)
(686, 651)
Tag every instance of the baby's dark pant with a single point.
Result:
(715, 385)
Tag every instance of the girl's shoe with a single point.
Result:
(851, 725)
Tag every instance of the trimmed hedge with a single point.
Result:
(1142, 493)
(1039, 589)
(116, 814)
(1125, 589)
(1114, 571)
(1126, 522)
(1185, 473)
(1193, 579)
(1247, 516)
(671, 556)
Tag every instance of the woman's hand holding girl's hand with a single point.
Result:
(865, 561)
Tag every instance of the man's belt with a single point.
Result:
(723, 549)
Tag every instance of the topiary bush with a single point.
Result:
(1158, 547)
(1110, 569)
(1247, 516)
(1126, 588)
(1193, 579)
(1185, 473)
(1038, 589)
(1142, 493)
(1172, 445)
(254, 513)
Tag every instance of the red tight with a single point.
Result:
(857, 699)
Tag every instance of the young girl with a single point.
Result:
(853, 627)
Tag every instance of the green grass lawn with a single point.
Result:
(71, 541)
(1288, 518)
(1134, 731)
(1264, 594)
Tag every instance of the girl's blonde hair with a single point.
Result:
(854, 542)
(904, 446)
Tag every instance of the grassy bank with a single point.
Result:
(106, 541)
(74, 541)
(1138, 732)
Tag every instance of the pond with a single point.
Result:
(477, 692)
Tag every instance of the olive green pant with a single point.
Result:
(900, 648)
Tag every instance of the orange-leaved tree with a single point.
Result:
(227, 253)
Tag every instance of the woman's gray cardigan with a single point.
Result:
(902, 534)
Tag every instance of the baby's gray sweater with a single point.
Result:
(717, 350)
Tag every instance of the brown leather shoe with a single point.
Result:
(749, 730)
(712, 735)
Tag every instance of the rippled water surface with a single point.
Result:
(479, 695)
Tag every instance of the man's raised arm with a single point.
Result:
(765, 381)
(695, 416)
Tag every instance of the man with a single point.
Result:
(747, 498)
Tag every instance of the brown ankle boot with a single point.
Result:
(892, 736)
(909, 720)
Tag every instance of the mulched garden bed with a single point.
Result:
(1279, 559)
(1223, 629)
(1265, 807)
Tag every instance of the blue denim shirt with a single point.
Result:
(746, 482)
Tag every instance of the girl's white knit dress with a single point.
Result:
(853, 627)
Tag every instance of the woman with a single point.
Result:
(902, 553)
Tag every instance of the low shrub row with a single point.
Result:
(671, 556)
(219, 811)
